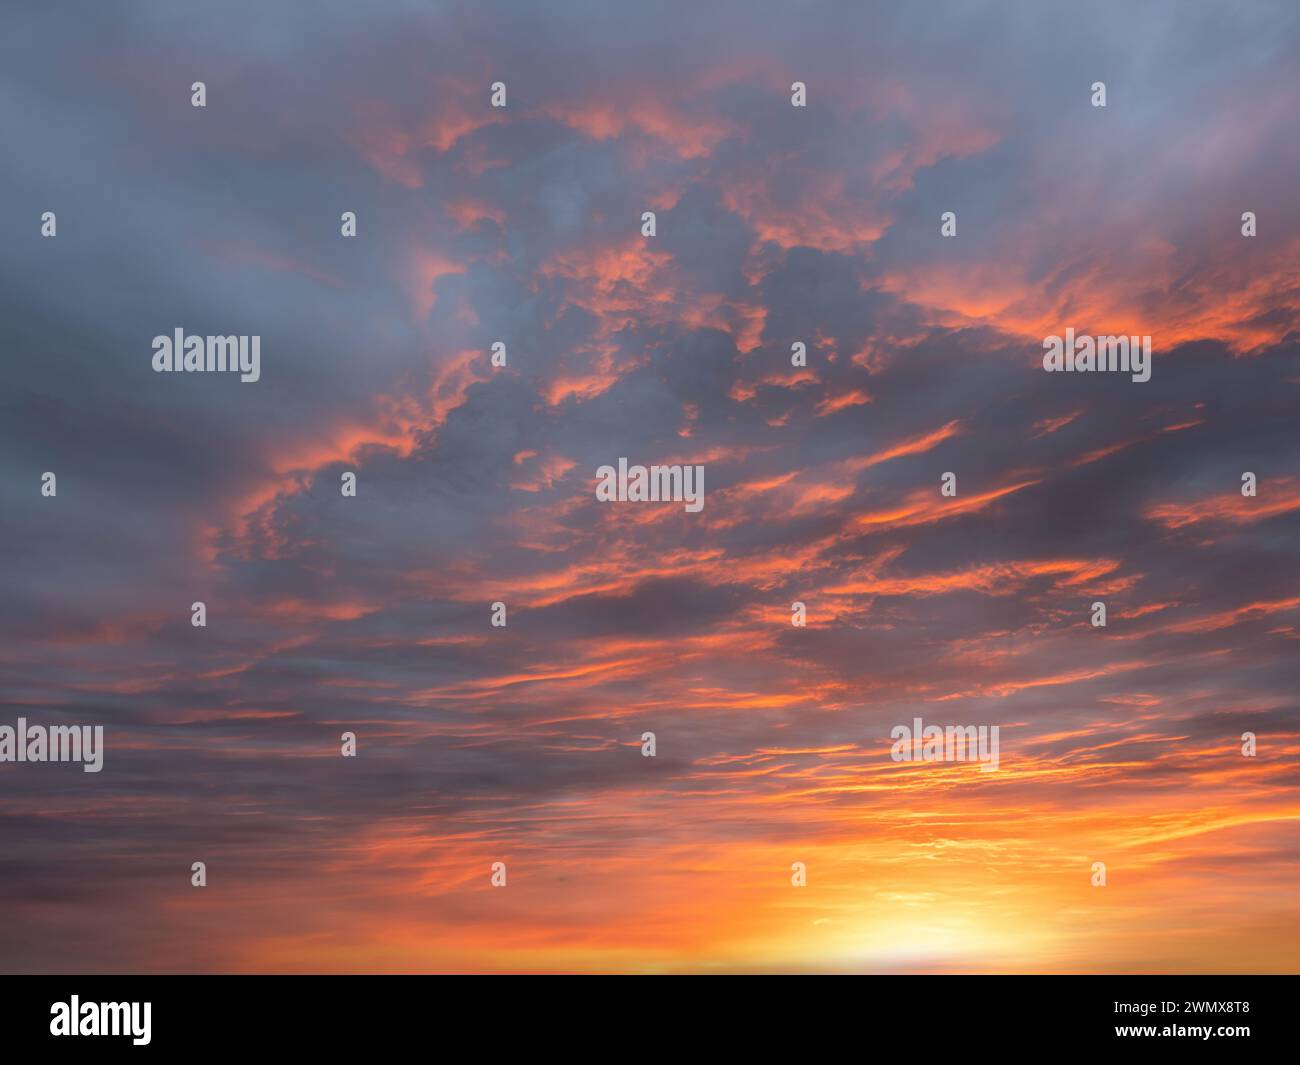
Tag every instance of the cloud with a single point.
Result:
(475, 484)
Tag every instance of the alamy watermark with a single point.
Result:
(658, 484)
(102, 1018)
(1083, 354)
(953, 743)
(59, 743)
(198, 354)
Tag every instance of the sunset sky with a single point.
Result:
(476, 484)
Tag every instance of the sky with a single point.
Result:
(522, 744)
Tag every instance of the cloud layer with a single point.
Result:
(775, 225)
